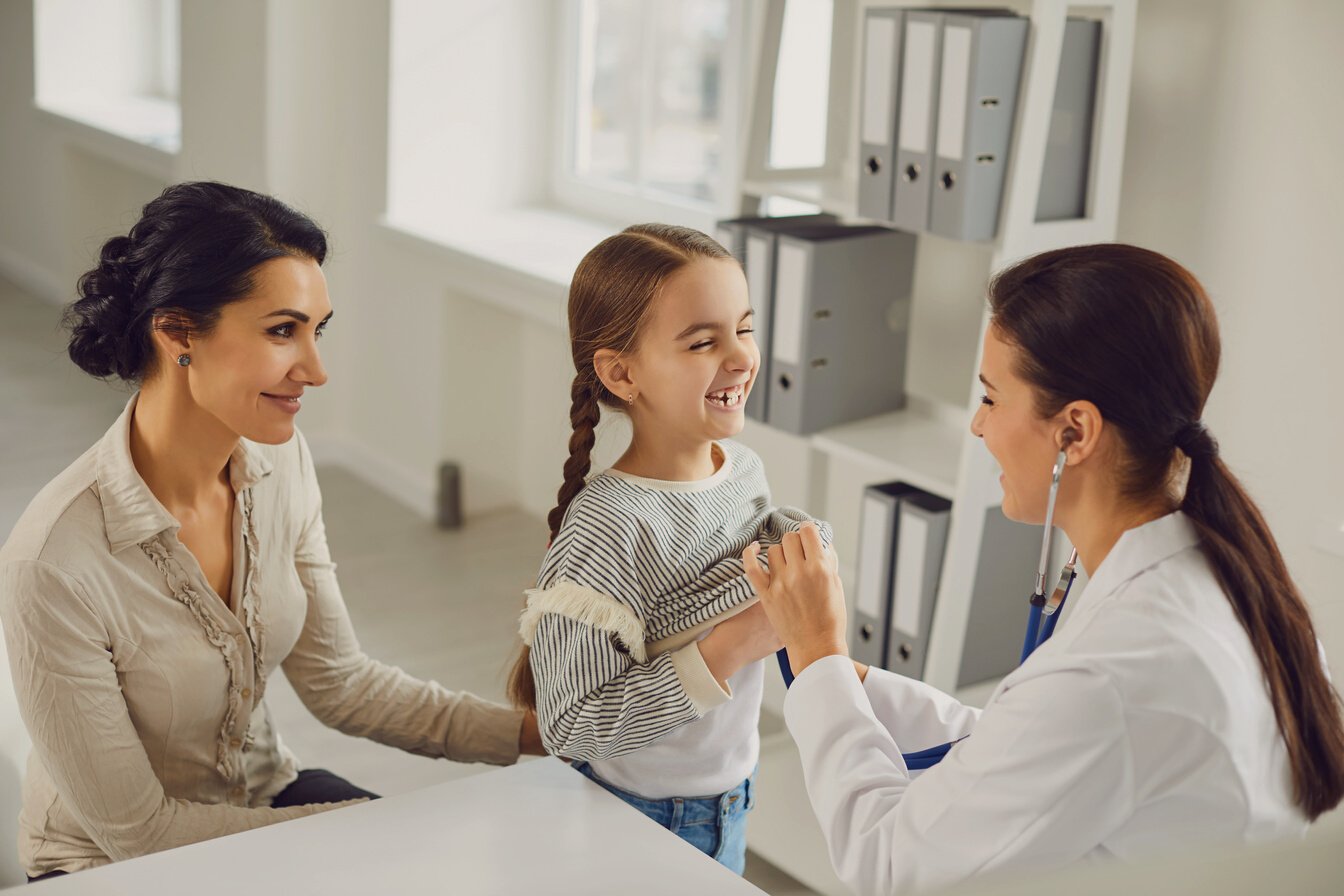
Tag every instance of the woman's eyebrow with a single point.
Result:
(709, 325)
(297, 315)
(987, 382)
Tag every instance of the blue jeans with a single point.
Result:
(715, 825)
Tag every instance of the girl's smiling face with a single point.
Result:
(696, 361)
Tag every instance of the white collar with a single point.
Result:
(1138, 550)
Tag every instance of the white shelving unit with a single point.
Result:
(928, 444)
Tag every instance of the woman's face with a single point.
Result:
(1024, 445)
(251, 370)
(697, 359)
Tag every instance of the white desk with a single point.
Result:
(538, 827)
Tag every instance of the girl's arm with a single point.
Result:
(65, 678)
(599, 696)
(357, 695)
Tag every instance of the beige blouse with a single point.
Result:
(143, 692)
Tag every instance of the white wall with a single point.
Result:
(1230, 167)
(1233, 168)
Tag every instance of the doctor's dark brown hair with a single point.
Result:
(610, 299)
(1134, 333)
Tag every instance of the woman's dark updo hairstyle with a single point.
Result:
(192, 252)
(1134, 333)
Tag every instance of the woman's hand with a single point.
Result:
(802, 595)
(529, 737)
(738, 642)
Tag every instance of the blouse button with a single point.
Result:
(247, 692)
(238, 791)
(235, 742)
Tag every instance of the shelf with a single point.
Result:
(920, 445)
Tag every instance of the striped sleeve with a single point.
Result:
(595, 701)
(599, 695)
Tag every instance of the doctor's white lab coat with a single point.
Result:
(1144, 724)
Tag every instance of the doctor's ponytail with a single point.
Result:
(1134, 333)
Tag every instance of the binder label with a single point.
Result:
(874, 547)
(911, 547)
(952, 94)
(790, 288)
(877, 70)
(917, 76)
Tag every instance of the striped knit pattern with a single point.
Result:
(673, 558)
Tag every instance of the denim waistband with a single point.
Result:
(676, 812)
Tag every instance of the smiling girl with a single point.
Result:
(643, 637)
(149, 590)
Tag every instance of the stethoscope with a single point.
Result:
(1041, 619)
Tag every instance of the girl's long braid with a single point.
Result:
(583, 417)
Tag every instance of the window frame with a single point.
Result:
(615, 200)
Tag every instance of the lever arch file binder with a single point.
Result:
(880, 96)
(752, 241)
(981, 67)
(841, 321)
(1068, 150)
(878, 518)
(916, 117)
(921, 540)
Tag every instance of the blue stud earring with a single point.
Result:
(183, 360)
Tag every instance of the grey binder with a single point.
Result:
(1004, 575)
(921, 541)
(980, 70)
(878, 517)
(879, 103)
(841, 324)
(916, 118)
(752, 241)
(1068, 151)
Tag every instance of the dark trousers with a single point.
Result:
(313, 785)
(317, 785)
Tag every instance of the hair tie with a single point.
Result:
(1195, 440)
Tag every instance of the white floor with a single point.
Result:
(441, 605)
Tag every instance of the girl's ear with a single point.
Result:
(613, 369)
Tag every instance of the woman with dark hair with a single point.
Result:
(1185, 700)
(150, 589)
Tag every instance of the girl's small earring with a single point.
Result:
(183, 360)
(630, 400)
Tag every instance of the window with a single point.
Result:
(650, 107)
(112, 65)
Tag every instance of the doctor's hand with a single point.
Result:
(802, 595)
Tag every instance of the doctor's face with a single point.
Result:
(1023, 444)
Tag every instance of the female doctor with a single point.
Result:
(1185, 700)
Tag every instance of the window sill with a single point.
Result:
(521, 259)
(142, 133)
